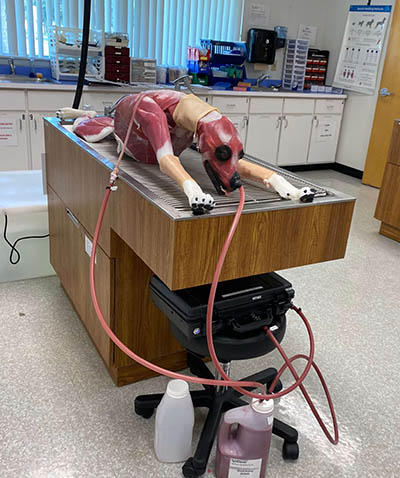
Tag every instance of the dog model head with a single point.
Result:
(221, 149)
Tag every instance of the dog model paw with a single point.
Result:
(199, 202)
(307, 194)
(288, 191)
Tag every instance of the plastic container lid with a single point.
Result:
(177, 388)
(266, 406)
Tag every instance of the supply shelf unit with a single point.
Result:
(295, 64)
(65, 51)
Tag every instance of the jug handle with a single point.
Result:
(226, 430)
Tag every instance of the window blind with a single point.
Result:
(160, 29)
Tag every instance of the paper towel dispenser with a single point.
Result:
(261, 46)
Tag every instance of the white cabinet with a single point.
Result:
(36, 130)
(324, 138)
(263, 137)
(240, 123)
(49, 100)
(14, 152)
(295, 139)
(228, 105)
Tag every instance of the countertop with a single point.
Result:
(52, 86)
(165, 194)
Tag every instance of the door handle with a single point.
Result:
(385, 92)
(72, 217)
(278, 122)
(286, 122)
(316, 121)
(20, 121)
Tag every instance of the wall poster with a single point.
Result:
(362, 46)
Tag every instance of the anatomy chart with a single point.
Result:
(362, 47)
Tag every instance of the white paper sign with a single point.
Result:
(258, 15)
(326, 130)
(361, 49)
(245, 468)
(308, 32)
(8, 132)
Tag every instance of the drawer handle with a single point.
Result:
(72, 218)
(230, 105)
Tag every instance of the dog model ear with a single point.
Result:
(223, 153)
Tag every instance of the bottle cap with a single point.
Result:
(177, 388)
(266, 406)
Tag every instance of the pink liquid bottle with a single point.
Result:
(244, 440)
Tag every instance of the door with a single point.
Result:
(295, 139)
(13, 141)
(36, 129)
(387, 109)
(240, 123)
(324, 139)
(263, 137)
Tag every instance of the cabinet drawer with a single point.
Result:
(329, 106)
(68, 244)
(266, 105)
(12, 100)
(98, 101)
(298, 106)
(235, 104)
(49, 100)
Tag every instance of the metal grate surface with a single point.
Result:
(165, 190)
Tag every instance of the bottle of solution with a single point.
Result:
(244, 440)
(174, 424)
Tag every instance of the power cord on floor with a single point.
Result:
(14, 250)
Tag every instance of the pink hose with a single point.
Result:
(237, 385)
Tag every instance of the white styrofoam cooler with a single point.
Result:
(23, 200)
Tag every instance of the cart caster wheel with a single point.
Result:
(290, 451)
(144, 412)
(189, 471)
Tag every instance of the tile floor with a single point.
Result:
(62, 417)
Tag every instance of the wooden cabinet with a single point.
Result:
(295, 139)
(263, 137)
(388, 207)
(69, 257)
(324, 138)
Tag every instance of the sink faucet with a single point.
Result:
(261, 78)
(183, 81)
(12, 66)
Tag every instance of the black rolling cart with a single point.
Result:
(243, 307)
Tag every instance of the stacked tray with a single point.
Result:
(295, 64)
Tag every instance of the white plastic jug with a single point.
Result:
(174, 424)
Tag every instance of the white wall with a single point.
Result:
(289, 13)
(360, 109)
(330, 17)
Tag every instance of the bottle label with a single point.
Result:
(245, 468)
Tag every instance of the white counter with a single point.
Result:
(50, 86)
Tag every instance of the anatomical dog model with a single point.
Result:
(165, 123)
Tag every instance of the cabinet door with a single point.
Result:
(324, 138)
(14, 154)
(36, 127)
(240, 122)
(295, 139)
(69, 249)
(263, 137)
